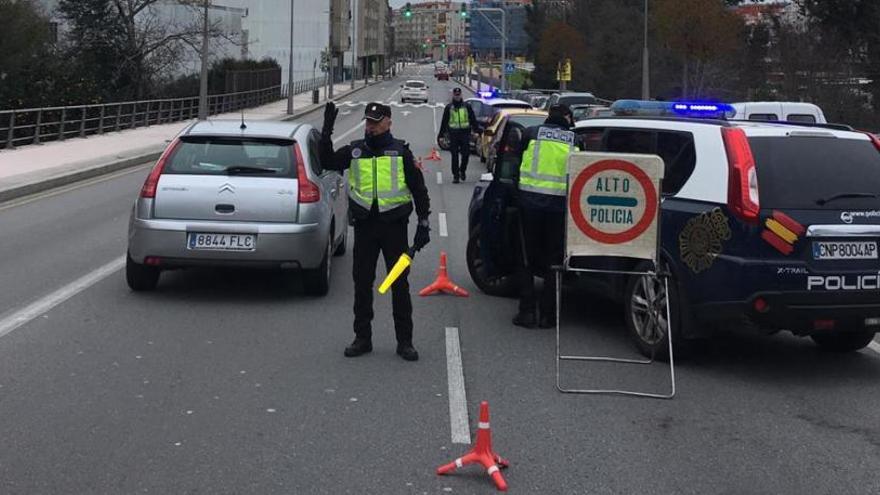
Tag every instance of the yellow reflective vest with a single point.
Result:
(544, 163)
(458, 118)
(378, 179)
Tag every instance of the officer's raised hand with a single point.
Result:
(423, 235)
(330, 113)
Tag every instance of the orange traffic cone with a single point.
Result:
(442, 283)
(481, 453)
(434, 155)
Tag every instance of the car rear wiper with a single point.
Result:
(248, 170)
(824, 201)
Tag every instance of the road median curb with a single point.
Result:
(91, 171)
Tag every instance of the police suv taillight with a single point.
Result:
(742, 180)
(148, 191)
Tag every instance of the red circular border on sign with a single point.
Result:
(577, 188)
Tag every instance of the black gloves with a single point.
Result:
(423, 236)
(330, 113)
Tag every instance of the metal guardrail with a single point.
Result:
(38, 125)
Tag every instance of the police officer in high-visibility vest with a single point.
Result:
(541, 197)
(384, 184)
(458, 122)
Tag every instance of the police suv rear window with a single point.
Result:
(209, 155)
(816, 172)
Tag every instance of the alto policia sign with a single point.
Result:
(613, 205)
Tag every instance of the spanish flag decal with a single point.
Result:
(782, 232)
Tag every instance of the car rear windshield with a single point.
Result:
(816, 172)
(415, 84)
(577, 100)
(528, 120)
(206, 155)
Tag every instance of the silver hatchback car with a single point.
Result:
(228, 194)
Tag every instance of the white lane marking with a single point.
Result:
(439, 177)
(44, 304)
(346, 133)
(444, 231)
(434, 120)
(73, 187)
(393, 95)
(458, 415)
(874, 346)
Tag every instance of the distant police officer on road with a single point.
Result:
(384, 183)
(458, 122)
(541, 196)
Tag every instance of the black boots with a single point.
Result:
(407, 352)
(358, 347)
(525, 320)
(362, 346)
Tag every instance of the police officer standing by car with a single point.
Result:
(458, 123)
(544, 151)
(384, 183)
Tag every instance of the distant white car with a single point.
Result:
(414, 90)
(780, 111)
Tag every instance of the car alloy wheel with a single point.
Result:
(648, 310)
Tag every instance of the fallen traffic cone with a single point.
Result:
(481, 453)
(434, 155)
(442, 283)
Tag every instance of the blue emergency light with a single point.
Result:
(695, 109)
(488, 94)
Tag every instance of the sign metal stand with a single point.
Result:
(654, 314)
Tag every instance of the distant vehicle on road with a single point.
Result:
(490, 137)
(582, 112)
(570, 99)
(788, 111)
(414, 90)
(773, 226)
(485, 109)
(222, 195)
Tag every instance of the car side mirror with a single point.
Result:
(401, 85)
(427, 87)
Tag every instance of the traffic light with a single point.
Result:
(407, 10)
(443, 42)
(464, 12)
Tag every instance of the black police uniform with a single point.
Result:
(459, 139)
(376, 231)
(542, 218)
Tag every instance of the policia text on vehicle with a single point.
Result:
(384, 183)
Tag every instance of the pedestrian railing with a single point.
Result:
(38, 125)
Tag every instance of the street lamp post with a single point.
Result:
(290, 64)
(354, 41)
(203, 78)
(646, 67)
(503, 32)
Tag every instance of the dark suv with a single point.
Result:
(773, 224)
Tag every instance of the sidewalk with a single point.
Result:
(34, 168)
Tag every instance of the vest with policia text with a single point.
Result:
(377, 176)
(458, 118)
(543, 167)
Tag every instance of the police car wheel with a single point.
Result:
(645, 314)
(843, 341)
(343, 244)
(500, 286)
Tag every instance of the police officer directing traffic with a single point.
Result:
(458, 122)
(384, 183)
(542, 189)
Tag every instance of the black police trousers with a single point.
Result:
(370, 237)
(460, 148)
(544, 235)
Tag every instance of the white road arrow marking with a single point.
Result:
(405, 113)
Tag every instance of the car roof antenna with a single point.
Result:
(243, 125)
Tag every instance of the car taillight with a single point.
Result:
(742, 180)
(874, 139)
(152, 182)
(308, 190)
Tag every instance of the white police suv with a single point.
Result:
(772, 224)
